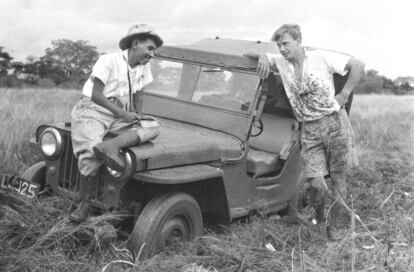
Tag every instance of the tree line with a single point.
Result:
(372, 82)
(67, 64)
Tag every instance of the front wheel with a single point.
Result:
(165, 220)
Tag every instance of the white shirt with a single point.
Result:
(314, 96)
(112, 69)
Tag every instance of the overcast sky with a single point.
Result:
(380, 33)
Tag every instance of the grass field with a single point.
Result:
(22, 111)
(38, 237)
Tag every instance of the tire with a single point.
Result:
(37, 174)
(164, 218)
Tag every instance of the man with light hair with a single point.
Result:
(110, 105)
(326, 133)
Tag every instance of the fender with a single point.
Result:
(178, 175)
(36, 173)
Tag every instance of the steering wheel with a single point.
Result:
(257, 124)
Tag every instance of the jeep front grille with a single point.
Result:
(69, 174)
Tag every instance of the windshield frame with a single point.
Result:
(200, 66)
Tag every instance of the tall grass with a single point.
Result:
(21, 112)
(384, 126)
(38, 237)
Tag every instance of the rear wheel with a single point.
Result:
(165, 220)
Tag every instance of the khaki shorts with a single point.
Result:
(327, 145)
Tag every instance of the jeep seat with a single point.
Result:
(265, 149)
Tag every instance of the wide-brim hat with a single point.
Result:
(136, 31)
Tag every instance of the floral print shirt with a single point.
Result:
(313, 97)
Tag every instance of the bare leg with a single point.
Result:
(317, 191)
(339, 196)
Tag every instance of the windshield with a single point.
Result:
(214, 87)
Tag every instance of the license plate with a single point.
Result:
(19, 186)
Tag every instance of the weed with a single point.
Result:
(36, 236)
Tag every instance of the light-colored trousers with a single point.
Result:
(90, 124)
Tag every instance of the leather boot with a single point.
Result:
(87, 191)
(108, 152)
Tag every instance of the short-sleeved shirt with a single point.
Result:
(112, 70)
(314, 96)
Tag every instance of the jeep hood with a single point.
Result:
(184, 144)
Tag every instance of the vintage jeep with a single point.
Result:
(228, 146)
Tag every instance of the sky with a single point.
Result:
(378, 32)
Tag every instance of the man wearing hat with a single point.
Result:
(110, 105)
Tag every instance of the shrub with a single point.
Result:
(71, 85)
(46, 83)
(31, 79)
(10, 81)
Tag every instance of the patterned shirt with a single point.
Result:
(112, 69)
(314, 96)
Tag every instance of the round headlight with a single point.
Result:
(128, 169)
(50, 142)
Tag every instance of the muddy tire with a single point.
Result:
(165, 219)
